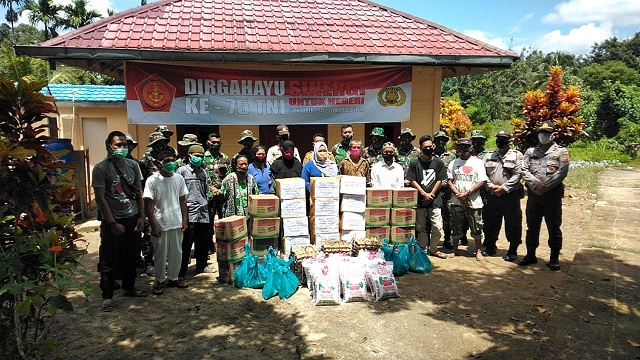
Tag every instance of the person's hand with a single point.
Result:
(497, 190)
(428, 196)
(540, 188)
(118, 229)
(155, 230)
(215, 190)
(407, 183)
(184, 225)
(139, 224)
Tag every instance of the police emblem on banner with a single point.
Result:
(392, 96)
(155, 94)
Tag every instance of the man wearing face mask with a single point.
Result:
(440, 140)
(406, 152)
(117, 183)
(274, 152)
(198, 223)
(477, 142)
(466, 176)
(216, 163)
(355, 164)
(166, 206)
(544, 168)
(157, 143)
(164, 129)
(388, 173)
(340, 150)
(246, 140)
(187, 141)
(504, 192)
(373, 153)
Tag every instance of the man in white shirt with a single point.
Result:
(274, 152)
(466, 176)
(387, 173)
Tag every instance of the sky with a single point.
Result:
(571, 26)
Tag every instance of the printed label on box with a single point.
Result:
(353, 203)
(231, 228)
(405, 197)
(376, 217)
(352, 221)
(325, 187)
(325, 206)
(403, 217)
(291, 188)
(399, 234)
(325, 224)
(231, 251)
(265, 227)
(293, 208)
(296, 226)
(379, 198)
(356, 185)
(264, 205)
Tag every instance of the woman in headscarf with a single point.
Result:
(320, 165)
(236, 188)
(260, 169)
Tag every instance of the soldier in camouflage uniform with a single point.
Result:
(164, 129)
(185, 143)
(406, 151)
(440, 140)
(216, 164)
(477, 141)
(340, 150)
(373, 153)
(131, 144)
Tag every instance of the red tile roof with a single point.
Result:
(285, 26)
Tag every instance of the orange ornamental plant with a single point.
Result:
(453, 121)
(558, 104)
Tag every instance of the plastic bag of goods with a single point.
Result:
(400, 259)
(418, 261)
(326, 286)
(353, 282)
(250, 274)
(286, 281)
(383, 283)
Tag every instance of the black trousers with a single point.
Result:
(117, 256)
(549, 207)
(505, 207)
(196, 234)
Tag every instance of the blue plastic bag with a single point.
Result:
(286, 281)
(400, 259)
(250, 274)
(387, 249)
(419, 261)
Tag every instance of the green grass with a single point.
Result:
(601, 150)
(585, 178)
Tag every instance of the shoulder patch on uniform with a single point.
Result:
(565, 157)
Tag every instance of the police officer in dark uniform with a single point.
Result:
(544, 168)
(503, 196)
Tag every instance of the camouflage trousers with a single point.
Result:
(463, 218)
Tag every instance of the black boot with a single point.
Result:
(512, 253)
(530, 258)
(554, 261)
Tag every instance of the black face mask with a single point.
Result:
(388, 157)
(427, 151)
(502, 144)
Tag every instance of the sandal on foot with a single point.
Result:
(440, 255)
(107, 305)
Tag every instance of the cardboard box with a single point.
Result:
(325, 206)
(231, 228)
(376, 217)
(264, 228)
(291, 188)
(403, 217)
(325, 187)
(264, 206)
(399, 234)
(379, 232)
(260, 247)
(325, 224)
(296, 226)
(231, 251)
(355, 185)
(350, 235)
(353, 203)
(318, 239)
(226, 271)
(379, 198)
(405, 197)
(293, 208)
(290, 241)
(352, 221)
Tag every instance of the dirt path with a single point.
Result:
(462, 309)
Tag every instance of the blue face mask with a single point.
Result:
(170, 166)
(196, 161)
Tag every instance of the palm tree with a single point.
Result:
(12, 15)
(76, 15)
(45, 12)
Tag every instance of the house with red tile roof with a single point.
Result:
(227, 66)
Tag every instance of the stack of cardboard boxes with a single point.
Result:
(325, 209)
(378, 213)
(231, 235)
(353, 205)
(390, 213)
(293, 210)
(264, 223)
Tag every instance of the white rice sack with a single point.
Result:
(353, 282)
(326, 286)
(382, 282)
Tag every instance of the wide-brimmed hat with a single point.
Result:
(463, 141)
(547, 126)
(155, 137)
(504, 134)
(130, 139)
(377, 131)
(388, 144)
(196, 149)
(477, 134)
(247, 134)
(282, 129)
(407, 131)
(162, 129)
(440, 134)
(188, 140)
